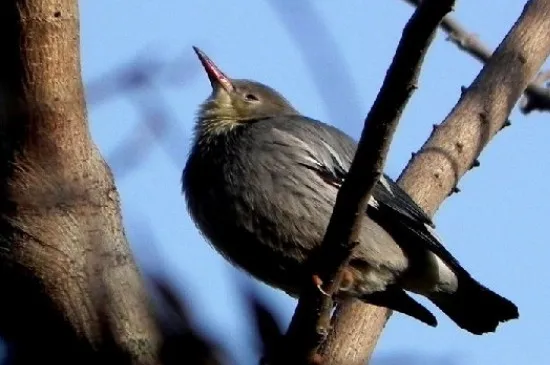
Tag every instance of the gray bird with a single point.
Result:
(261, 181)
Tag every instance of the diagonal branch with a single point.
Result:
(536, 95)
(482, 110)
(136, 80)
(450, 151)
(311, 320)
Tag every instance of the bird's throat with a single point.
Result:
(217, 127)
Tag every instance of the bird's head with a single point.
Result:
(234, 102)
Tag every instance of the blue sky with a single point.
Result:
(496, 226)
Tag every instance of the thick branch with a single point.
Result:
(482, 110)
(536, 96)
(311, 319)
(433, 172)
(66, 267)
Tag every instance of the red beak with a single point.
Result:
(216, 76)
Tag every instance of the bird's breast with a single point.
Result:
(256, 212)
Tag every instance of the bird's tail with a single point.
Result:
(474, 307)
(398, 300)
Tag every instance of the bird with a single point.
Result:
(260, 183)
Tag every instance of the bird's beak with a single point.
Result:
(217, 77)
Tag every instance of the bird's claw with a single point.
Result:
(319, 283)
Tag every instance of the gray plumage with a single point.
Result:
(261, 181)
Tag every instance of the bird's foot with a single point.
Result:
(319, 284)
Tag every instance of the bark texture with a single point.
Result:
(447, 155)
(311, 321)
(71, 287)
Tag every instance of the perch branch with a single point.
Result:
(450, 151)
(311, 322)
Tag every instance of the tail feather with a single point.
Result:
(398, 300)
(474, 307)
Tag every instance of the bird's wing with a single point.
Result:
(391, 194)
(392, 217)
(330, 152)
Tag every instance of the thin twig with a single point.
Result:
(136, 81)
(322, 55)
(138, 73)
(311, 319)
(157, 127)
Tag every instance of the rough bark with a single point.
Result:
(311, 321)
(70, 284)
(448, 154)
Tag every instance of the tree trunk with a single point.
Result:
(70, 284)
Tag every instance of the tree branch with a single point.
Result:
(536, 95)
(311, 321)
(66, 266)
(321, 55)
(450, 151)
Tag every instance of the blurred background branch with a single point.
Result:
(537, 94)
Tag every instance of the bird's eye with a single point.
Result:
(251, 97)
